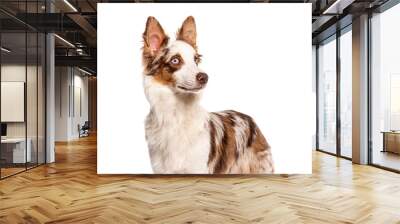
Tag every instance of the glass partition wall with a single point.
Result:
(22, 77)
(13, 90)
(334, 75)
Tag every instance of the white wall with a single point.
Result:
(62, 82)
(70, 83)
(14, 73)
(80, 83)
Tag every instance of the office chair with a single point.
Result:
(84, 130)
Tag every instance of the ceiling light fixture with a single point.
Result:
(65, 41)
(5, 50)
(79, 51)
(337, 7)
(70, 5)
(84, 71)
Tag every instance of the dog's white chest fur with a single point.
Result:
(177, 134)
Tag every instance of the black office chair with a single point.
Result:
(84, 130)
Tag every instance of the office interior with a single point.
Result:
(335, 74)
(49, 90)
(47, 81)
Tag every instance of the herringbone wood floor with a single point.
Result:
(70, 191)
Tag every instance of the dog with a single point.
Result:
(182, 137)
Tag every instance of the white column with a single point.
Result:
(360, 90)
(50, 93)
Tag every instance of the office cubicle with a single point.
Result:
(22, 91)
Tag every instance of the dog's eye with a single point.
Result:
(175, 61)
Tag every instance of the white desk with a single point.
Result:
(18, 145)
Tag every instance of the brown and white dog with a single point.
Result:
(182, 136)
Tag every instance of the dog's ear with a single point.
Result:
(154, 37)
(187, 32)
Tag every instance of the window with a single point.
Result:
(327, 96)
(346, 92)
(385, 89)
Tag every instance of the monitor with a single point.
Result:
(3, 129)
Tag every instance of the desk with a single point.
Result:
(391, 141)
(15, 148)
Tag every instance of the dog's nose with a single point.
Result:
(202, 78)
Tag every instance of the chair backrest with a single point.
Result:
(86, 124)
